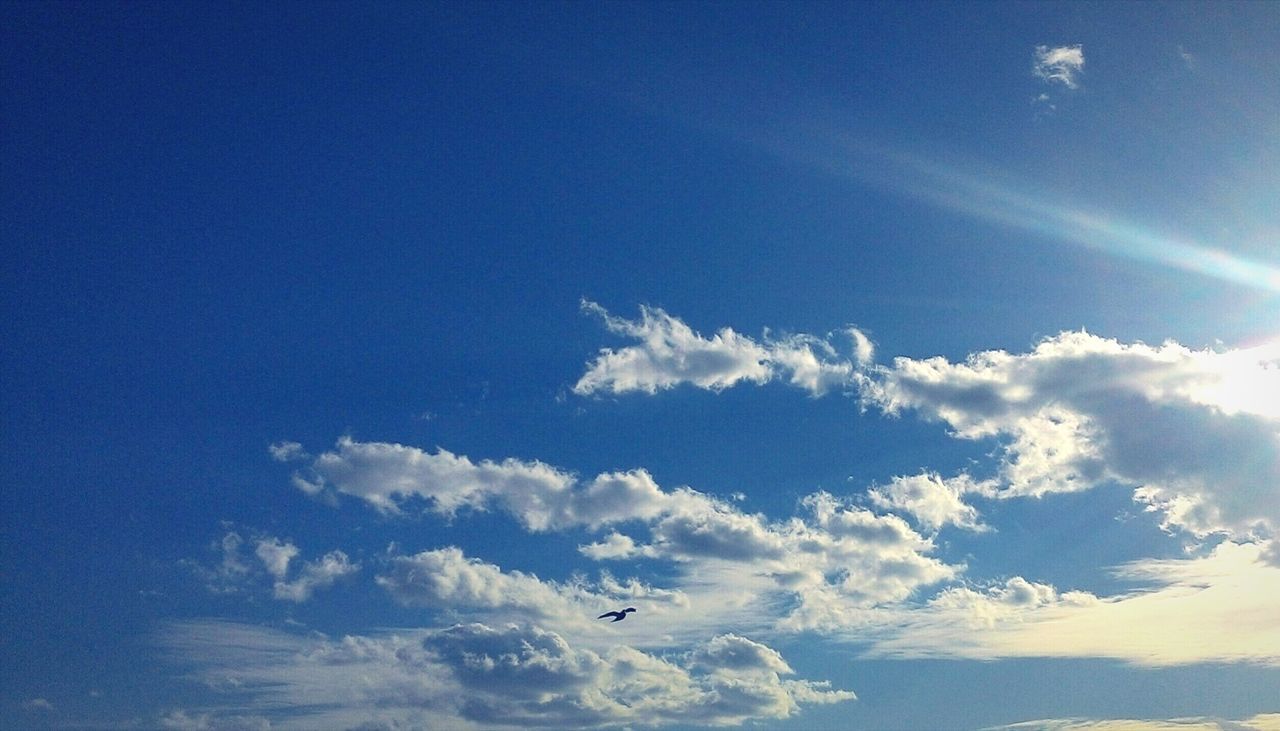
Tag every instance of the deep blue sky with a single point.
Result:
(233, 226)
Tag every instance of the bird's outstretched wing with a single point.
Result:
(615, 615)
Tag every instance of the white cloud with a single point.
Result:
(320, 574)
(614, 546)
(1197, 431)
(446, 579)
(932, 500)
(670, 353)
(37, 704)
(181, 720)
(474, 674)
(276, 555)
(287, 451)
(864, 557)
(1260, 722)
(1217, 608)
(232, 574)
(1059, 65)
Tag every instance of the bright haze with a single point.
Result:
(903, 366)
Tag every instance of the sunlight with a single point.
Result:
(1003, 203)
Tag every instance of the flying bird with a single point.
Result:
(617, 616)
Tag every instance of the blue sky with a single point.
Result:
(905, 365)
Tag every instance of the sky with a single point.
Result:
(904, 366)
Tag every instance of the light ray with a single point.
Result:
(997, 199)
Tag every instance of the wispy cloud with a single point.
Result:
(236, 571)
(1216, 608)
(1059, 65)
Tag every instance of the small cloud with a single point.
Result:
(1060, 65)
(37, 704)
(287, 451)
(1188, 59)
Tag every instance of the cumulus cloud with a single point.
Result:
(511, 675)
(858, 556)
(1059, 64)
(933, 501)
(1217, 608)
(671, 353)
(275, 555)
(1198, 432)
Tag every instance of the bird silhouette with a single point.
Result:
(617, 616)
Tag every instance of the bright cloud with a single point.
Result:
(670, 353)
(1059, 65)
(933, 501)
(834, 550)
(1198, 432)
(471, 675)
(1217, 608)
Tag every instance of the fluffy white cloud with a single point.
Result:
(1197, 431)
(932, 500)
(276, 555)
(671, 353)
(1059, 65)
(392, 476)
(1217, 608)
(474, 674)
(857, 555)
